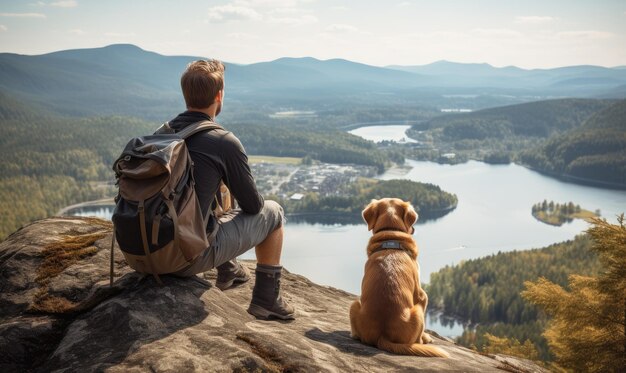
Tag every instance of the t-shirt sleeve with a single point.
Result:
(238, 177)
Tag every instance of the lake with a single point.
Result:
(493, 214)
(379, 133)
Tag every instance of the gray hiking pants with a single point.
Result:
(237, 233)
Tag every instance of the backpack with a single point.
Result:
(157, 220)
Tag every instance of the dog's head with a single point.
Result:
(390, 214)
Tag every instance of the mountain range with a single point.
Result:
(122, 78)
(583, 77)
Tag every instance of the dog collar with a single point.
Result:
(389, 245)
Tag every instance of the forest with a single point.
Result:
(586, 328)
(505, 129)
(50, 161)
(476, 291)
(595, 152)
(43, 170)
(534, 119)
(581, 140)
(557, 214)
(427, 199)
(324, 144)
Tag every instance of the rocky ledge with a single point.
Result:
(59, 314)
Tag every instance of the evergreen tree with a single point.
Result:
(510, 346)
(588, 328)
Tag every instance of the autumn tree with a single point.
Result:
(587, 332)
(510, 346)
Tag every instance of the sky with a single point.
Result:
(527, 34)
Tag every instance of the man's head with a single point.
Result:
(203, 84)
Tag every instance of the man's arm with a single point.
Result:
(238, 177)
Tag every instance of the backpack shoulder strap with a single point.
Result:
(190, 130)
(164, 129)
(194, 128)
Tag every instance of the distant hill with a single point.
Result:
(616, 92)
(533, 119)
(594, 152)
(121, 79)
(456, 68)
(13, 108)
(117, 79)
(124, 79)
(581, 81)
(309, 72)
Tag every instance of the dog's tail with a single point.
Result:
(416, 349)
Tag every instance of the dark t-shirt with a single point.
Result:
(218, 155)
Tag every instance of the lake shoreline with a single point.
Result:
(576, 179)
(99, 202)
(325, 218)
(560, 176)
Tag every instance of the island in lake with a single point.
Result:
(557, 214)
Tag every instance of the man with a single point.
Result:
(219, 156)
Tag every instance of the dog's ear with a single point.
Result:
(370, 214)
(410, 217)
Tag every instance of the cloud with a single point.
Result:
(403, 4)
(341, 28)
(585, 34)
(23, 15)
(282, 12)
(534, 19)
(3, 28)
(267, 3)
(306, 19)
(229, 12)
(119, 34)
(243, 36)
(497, 33)
(441, 34)
(65, 4)
(76, 31)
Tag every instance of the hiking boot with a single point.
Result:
(230, 274)
(266, 300)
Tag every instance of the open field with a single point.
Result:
(275, 160)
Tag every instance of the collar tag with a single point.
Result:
(390, 245)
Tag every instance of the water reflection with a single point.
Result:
(325, 219)
(103, 211)
(444, 325)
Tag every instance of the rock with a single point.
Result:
(61, 316)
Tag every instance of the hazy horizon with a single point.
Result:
(532, 35)
(319, 59)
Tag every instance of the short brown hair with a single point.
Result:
(201, 82)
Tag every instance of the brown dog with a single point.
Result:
(390, 314)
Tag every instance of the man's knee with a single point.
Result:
(274, 213)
